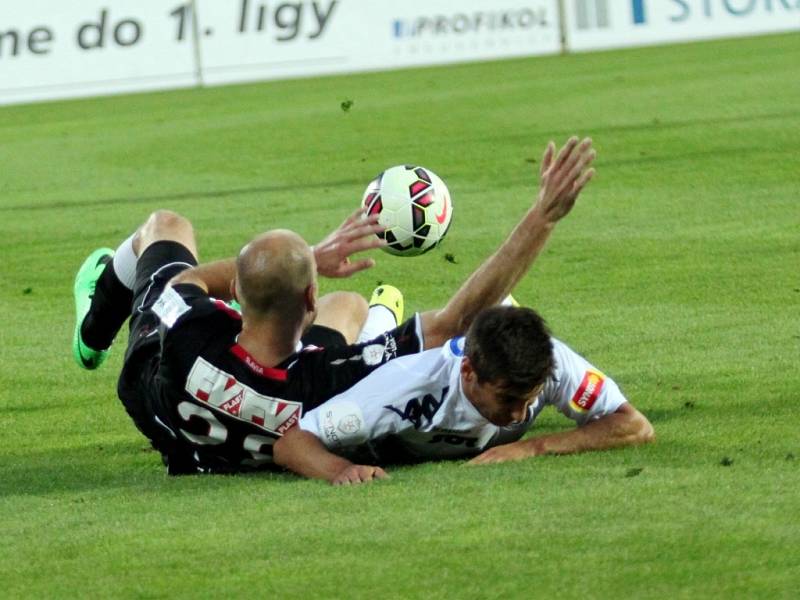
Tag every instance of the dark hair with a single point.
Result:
(511, 347)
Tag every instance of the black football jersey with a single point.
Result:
(222, 408)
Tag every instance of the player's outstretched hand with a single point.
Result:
(563, 176)
(356, 234)
(355, 474)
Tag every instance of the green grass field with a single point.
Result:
(678, 274)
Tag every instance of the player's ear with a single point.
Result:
(310, 297)
(467, 372)
(233, 290)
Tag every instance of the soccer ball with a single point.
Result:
(414, 206)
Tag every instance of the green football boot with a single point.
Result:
(390, 297)
(85, 282)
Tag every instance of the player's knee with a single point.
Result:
(351, 304)
(358, 306)
(165, 225)
(167, 221)
(345, 312)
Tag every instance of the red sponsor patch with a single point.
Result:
(588, 391)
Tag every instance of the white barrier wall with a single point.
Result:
(599, 24)
(55, 49)
(59, 48)
(257, 39)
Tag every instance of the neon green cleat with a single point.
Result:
(390, 297)
(85, 282)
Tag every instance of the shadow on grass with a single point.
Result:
(98, 467)
(33, 407)
(191, 195)
(660, 415)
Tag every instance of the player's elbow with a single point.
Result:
(644, 432)
(635, 428)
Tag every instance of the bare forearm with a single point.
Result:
(215, 277)
(612, 431)
(500, 273)
(303, 453)
(626, 427)
(491, 282)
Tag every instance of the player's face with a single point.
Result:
(493, 401)
(498, 407)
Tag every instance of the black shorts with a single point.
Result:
(159, 263)
(323, 337)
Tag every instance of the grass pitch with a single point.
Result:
(677, 274)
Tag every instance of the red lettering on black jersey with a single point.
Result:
(290, 422)
(259, 369)
(233, 405)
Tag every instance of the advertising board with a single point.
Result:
(256, 39)
(54, 49)
(598, 24)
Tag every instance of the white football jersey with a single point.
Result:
(416, 402)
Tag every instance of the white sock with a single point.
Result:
(125, 263)
(379, 320)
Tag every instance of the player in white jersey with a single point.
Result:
(474, 397)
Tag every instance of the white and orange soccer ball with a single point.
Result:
(414, 206)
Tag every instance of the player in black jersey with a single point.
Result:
(213, 389)
(189, 356)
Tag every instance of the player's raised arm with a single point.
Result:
(563, 176)
(332, 256)
(356, 234)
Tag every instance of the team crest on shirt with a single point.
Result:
(373, 354)
(342, 424)
(349, 424)
(588, 391)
